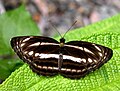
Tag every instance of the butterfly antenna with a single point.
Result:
(55, 28)
(69, 28)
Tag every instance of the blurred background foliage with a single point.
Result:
(63, 13)
(34, 16)
(13, 23)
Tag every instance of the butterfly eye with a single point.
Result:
(48, 57)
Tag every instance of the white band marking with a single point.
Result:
(26, 39)
(56, 68)
(31, 53)
(46, 43)
(35, 44)
(86, 50)
(97, 47)
(90, 60)
(44, 56)
(22, 44)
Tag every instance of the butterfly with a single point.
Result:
(48, 57)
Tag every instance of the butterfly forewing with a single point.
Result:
(77, 58)
(30, 49)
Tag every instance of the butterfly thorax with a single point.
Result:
(62, 41)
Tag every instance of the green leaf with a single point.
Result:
(14, 23)
(106, 78)
(8, 66)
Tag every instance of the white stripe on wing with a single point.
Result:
(75, 59)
